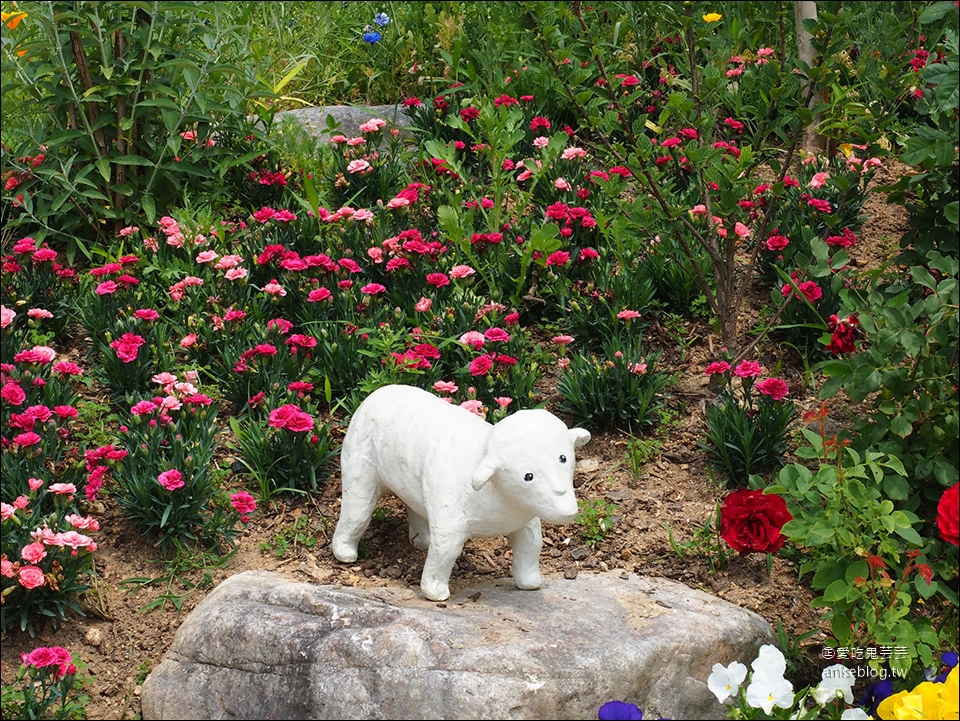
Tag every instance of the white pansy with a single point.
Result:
(768, 687)
(725, 682)
(768, 690)
(837, 683)
(855, 714)
(770, 661)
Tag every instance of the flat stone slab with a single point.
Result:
(350, 117)
(262, 646)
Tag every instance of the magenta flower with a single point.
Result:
(717, 367)
(26, 439)
(438, 280)
(373, 289)
(243, 503)
(481, 365)
(558, 258)
(292, 418)
(748, 369)
(773, 387)
(171, 480)
(128, 346)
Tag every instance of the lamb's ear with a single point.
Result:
(579, 436)
(483, 473)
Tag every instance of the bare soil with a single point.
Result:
(121, 643)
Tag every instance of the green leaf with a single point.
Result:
(896, 488)
(132, 160)
(909, 535)
(936, 11)
(166, 515)
(901, 426)
(840, 625)
(449, 220)
(836, 591)
(926, 590)
(922, 275)
(149, 208)
(916, 150)
(952, 212)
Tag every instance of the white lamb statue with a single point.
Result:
(459, 476)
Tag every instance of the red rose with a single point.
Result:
(750, 521)
(948, 515)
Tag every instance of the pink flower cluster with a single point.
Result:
(773, 387)
(55, 657)
(292, 418)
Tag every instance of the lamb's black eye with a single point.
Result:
(563, 459)
(528, 477)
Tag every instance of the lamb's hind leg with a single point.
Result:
(419, 530)
(361, 491)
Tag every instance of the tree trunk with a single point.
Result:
(807, 10)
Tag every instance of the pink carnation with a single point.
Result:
(171, 480)
(773, 387)
(748, 369)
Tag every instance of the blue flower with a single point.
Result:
(949, 660)
(877, 692)
(381, 19)
(372, 37)
(613, 710)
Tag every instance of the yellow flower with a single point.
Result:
(12, 19)
(712, 17)
(927, 701)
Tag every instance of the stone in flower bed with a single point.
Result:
(261, 646)
(314, 120)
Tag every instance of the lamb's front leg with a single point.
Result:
(445, 549)
(527, 543)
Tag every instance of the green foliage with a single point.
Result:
(299, 533)
(179, 577)
(706, 544)
(930, 194)
(128, 108)
(906, 376)
(867, 558)
(623, 391)
(596, 519)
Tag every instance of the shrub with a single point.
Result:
(123, 110)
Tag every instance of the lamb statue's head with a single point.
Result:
(529, 457)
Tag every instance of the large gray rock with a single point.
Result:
(261, 646)
(350, 117)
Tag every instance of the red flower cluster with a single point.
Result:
(751, 521)
(844, 332)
